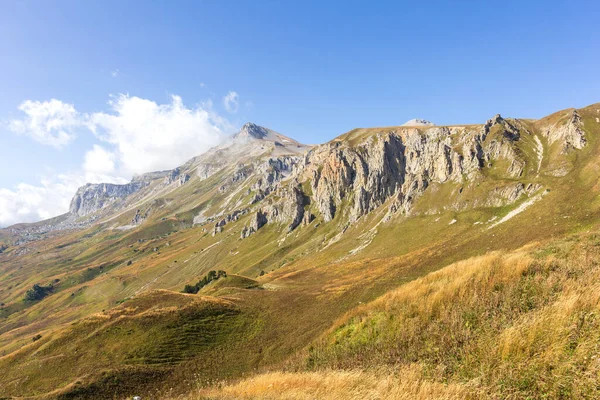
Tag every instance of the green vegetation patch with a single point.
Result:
(211, 276)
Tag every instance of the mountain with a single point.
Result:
(327, 254)
(418, 122)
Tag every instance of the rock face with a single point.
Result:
(498, 137)
(93, 197)
(139, 217)
(569, 133)
(254, 131)
(271, 173)
(176, 175)
(258, 220)
(418, 122)
(396, 167)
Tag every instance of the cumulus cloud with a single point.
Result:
(148, 136)
(49, 198)
(50, 122)
(99, 160)
(136, 135)
(231, 101)
(28, 203)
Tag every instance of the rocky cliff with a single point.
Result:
(279, 180)
(94, 197)
(363, 170)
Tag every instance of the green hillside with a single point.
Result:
(482, 284)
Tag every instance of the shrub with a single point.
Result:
(211, 276)
(38, 292)
(192, 289)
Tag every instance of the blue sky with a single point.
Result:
(305, 69)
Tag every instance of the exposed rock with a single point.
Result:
(509, 194)
(308, 218)
(344, 179)
(176, 176)
(254, 131)
(183, 178)
(219, 226)
(398, 166)
(386, 165)
(139, 217)
(569, 132)
(205, 171)
(293, 209)
(240, 173)
(258, 220)
(418, 122)
(150, 176)
(509, 130)
(234, 216)
(500, 147)
(273, 171)
(93, 197)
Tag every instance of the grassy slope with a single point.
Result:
(145, 336)
(311, 280)
(519, 324)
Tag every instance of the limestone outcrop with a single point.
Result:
(93, 197)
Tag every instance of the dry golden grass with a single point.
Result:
(338, 385)
(516, 325)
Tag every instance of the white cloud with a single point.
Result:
(28, 203)
(51, 197)
(202, 84)
(99, 160)
(137, 135)
(148, 136)
(114, 73)
(51, 122)
(231, 101)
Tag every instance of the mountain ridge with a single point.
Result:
(304, 239)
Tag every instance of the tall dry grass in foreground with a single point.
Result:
(337, 385)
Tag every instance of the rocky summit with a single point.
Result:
(266, 254)
(418, 122)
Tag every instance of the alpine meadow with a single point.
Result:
(179, 252)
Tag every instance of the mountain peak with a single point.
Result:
(418, 122)
(283, 144)
(252, 130)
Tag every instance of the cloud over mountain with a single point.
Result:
(147, 136)
(135, 135)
